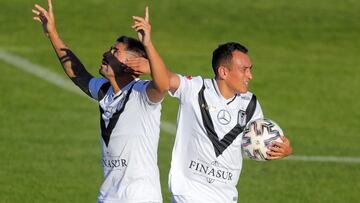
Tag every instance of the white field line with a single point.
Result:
(39, 71)
(325, 159)
(45, 74)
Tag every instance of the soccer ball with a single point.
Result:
(258, 135)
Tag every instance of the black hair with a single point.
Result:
(223, 54)
(133, 45)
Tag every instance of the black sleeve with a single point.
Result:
(82, 76)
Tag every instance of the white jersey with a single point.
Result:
(130, 127)
(206, 158)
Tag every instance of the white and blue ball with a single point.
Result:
(258, 135)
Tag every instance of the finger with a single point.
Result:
(36, 12)
(132, 63)
(139, 24)
(135, 59)
(276, 149)
(277, 144)
(138, 72)
(138, 28)
(135, 24)
(42, 10)
(284, 139)
(134, 67)
(105, 66)
(141, 30)
(147, 14)
(273, 158)
(274, 154)
(136, 62)
(37, 19)
(138, 19)
(50, 6)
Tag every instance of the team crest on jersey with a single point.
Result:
(242, 118)
(189, 77)
(224, 117)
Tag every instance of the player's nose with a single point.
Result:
(249, 74)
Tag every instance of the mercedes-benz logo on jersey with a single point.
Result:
(224, 117)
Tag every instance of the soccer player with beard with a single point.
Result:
(129, 109)
(206, 158)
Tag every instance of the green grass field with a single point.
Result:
(306, 76)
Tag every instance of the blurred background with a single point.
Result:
(306, 77)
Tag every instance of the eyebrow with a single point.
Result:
(128, 52)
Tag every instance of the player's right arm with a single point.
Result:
(70, 63)
(174, 81)
(136, 67)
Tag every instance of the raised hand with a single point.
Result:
(143, 28)
(138, 65)
(45, 17)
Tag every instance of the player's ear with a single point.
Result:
(222, 72)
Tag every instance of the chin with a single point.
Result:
(243, 91)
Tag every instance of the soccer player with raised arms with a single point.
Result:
(207, 158)
(129, 109)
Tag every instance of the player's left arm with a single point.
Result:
(279, 150)
(160, 82)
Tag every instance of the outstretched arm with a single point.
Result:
(159, 73)
(70, 63)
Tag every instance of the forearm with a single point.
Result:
(159, 72)
(57, 44)
(70, 63)
(62, 52)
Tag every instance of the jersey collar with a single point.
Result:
(216, 87)
(124, 89)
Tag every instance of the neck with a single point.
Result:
(224, 89)
(119, 83)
